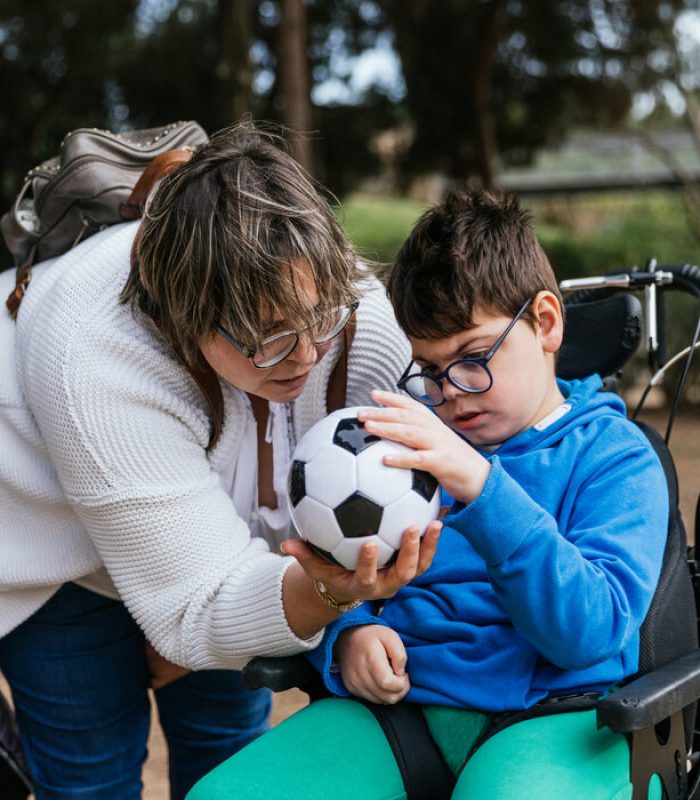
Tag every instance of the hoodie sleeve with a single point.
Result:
(322, 657)
(577, 589)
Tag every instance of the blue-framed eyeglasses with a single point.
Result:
(470, 374)
(274, 349)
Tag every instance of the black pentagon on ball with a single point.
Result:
(296, 482)
(350, 434)
(358, 516)
(323, 553)
(424, 483)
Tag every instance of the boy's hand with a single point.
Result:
(367, 582)
(436, 448)
(373, 663)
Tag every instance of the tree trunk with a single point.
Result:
(234, 69)
(485, 147)
(293, 74)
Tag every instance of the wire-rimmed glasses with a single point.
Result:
(470, 374)
(274, 349)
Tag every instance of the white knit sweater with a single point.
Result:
(103, 461)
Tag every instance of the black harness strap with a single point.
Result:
(545, 708)
(424, 771)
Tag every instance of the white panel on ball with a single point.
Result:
(312, 443)
(347, 413)
(411, 509)
(330, 476)
(348, 551)
(318, 524)
(375, 480)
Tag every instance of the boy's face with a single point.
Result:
(524, 388)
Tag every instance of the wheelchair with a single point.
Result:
(656, 708)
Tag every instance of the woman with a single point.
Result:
(152, 391)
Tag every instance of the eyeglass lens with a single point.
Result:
(470, 377)
(324, 329)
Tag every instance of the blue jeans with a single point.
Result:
(79, 681)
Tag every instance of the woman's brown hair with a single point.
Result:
(221, 240)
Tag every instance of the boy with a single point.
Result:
(548, 560)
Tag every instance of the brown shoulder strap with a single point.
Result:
(24, 275)
(209, 385)
(338, 383)
(162, 165)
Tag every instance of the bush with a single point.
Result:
(583, 235)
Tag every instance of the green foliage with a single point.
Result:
(56, 60)
(377, 224)
(595, 234)
(582, 236)
(343, 149)
(513, 76)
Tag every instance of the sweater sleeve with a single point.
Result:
(579, 593)
(127, 436)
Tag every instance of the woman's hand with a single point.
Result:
(161, 671)
(373, 663)
(367, 582)
(435, 448)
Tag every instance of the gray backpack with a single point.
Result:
(99, 178)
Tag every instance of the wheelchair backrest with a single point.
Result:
(670, 627)
(600, 336)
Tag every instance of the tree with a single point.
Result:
(683, 84)
(56, 68)
(293, 74)
(488, 78)
(341, 132)
(234, 69)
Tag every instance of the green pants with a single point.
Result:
(334, 748)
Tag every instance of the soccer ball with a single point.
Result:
(341, 495)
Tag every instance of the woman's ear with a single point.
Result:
(549, 320)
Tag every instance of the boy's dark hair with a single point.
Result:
(474, 249)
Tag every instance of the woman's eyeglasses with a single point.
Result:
(470, 374)
(274, 349)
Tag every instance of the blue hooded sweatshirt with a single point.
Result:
(540, 585)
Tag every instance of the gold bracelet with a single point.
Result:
(329, 600)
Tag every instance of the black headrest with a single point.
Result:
(599, 336)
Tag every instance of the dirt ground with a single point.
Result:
(685, 446)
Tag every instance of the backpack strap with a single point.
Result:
(162, 165)
(24, 276)
(338, 382)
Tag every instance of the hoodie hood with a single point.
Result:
(583, 402)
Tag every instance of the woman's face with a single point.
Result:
(286, 380)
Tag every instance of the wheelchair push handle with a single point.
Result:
(623, 280)
(683, 277)
(654, 280)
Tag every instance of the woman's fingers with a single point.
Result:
(403, 570)
(365, 575)
(367, 581)
(428, 546)
(393, 399)
(297, 548)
